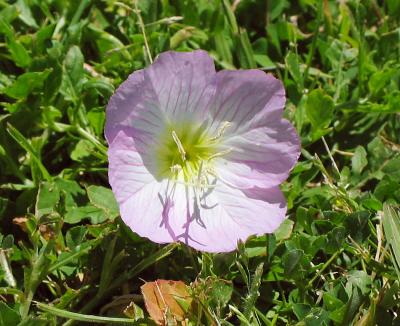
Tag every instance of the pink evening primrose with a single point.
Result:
(196, 155)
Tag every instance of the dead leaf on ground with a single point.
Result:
(166, 300)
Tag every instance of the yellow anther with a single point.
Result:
(179, 145)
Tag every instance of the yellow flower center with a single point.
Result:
(186, 153)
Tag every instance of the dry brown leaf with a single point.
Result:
(161, 299)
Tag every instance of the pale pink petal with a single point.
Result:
(261, 157)
(121, 107)
(247, 99)
(127, 172)
(150, 214)
(183, 83)
(176, 89)
(140, 196)
(231, 215)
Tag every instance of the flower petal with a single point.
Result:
(127, 171)
(232, 215)
(137, 191)
(247, 99)
(261, 157)
(121, 107)
(176, 89)
(183, 83)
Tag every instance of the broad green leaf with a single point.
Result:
(19, 54)
(359, 160)
(8, 316)
(77, 214)
(47, 199)
(27, 83)
(285, 230)
(104, 199)
(75, 237)
(82, 150)
(319, 109)
(291, 260)
(25, 13)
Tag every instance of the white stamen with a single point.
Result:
(219, 154)
(179, 145)
(221, 130)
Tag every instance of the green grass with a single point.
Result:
(65, 255)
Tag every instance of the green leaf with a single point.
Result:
(73, 76)
(391, 227)
(392, 169)
(47, 199)
(246, 55)
(361, 280)
(24, 143)
(27, 83)
(221, 293)
(82, 150)
(77, 214)
(254, 293)
(7, 242)
(106, 43)
(359, 160)
(293, 65)
(19, 54)
(8, 316)
(230, 16)
(25, 13)
(75, 237)
(264, 61)
(133, 311)
(285, 230)
(5, 28)
(319, 109)
(104, 199)
(291, 260)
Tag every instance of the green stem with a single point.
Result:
(325, 266)
(40, 267)
(93, 140)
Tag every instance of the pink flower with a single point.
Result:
(197, 156)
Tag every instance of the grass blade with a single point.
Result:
(24, 143)
(391, 227)
(81, 317)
